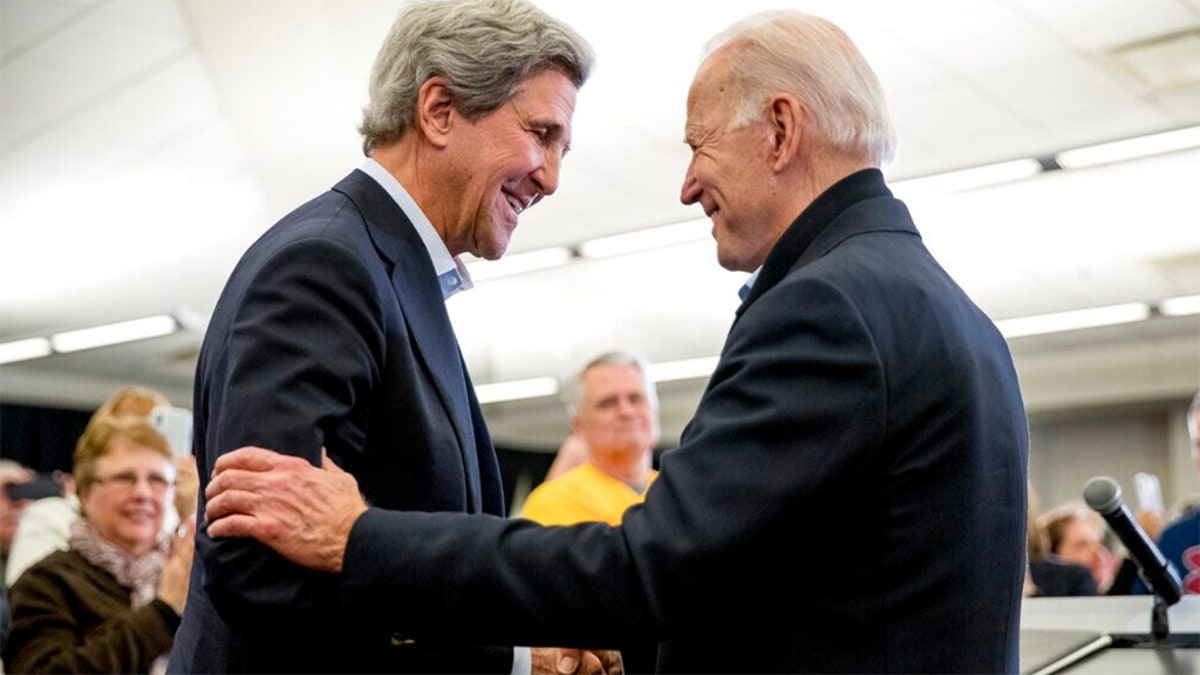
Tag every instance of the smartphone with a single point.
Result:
(41, 485)
(175, 425)
(1149, 492)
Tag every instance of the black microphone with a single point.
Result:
(1104, 496)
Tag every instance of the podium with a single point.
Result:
(1094, 635)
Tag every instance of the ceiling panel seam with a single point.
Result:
(92, 102)
(23, 48)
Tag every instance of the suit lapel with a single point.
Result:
(421, 300)
(420, 296)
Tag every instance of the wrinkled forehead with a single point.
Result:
(547, 90)
(712, 90)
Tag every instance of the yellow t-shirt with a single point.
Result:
(582, 494)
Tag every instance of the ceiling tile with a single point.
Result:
(1097, 25)
(85, 63)
(24, 24)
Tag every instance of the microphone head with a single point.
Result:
(1103, 494)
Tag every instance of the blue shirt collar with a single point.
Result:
(451, 272)
(744, 291)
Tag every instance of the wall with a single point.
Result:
(1069, 447)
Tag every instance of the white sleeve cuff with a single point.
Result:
(522, 661)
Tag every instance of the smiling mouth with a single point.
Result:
(518, 204)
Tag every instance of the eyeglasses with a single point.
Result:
(128, 481)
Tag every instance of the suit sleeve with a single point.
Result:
(791, 416)
(301, 358)
(792, 422)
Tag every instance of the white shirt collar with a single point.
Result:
(451, 272)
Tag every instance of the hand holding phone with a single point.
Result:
(40, 485)
(1149, 493)
(175, 425)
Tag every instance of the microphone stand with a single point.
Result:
(1160, 626)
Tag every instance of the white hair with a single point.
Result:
(573, 389)
(815, 61)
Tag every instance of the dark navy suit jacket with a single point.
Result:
(332, 332)
(850, 495)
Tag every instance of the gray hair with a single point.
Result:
(815, 61)
(572, 391)
(484, 48)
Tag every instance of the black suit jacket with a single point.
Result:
(332, 332)
(850, 495)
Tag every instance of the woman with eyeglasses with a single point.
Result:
(112, 601)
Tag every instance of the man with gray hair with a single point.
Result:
(332, 333)
(850, 495)
(614, 411)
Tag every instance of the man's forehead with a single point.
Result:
(711, 87)
(608, 373)
(547, 89)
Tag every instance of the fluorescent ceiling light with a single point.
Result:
(1181, 306)
(536, 387)
(191, 321)
(114, 333)
(1130, 148)
(969, 179)
(687, 369)
(643, 240)
(1074, 320)
(519, 263)
(24, 350)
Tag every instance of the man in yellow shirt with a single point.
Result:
(614, 411)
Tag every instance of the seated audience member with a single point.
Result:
(45, 526)
(1049, 575)
(1180, 540)
(10, 511)
(140, 401)
(11, 473)
(614, 411)
(112, 601)
(1076, 534)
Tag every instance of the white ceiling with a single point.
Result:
(144, 144)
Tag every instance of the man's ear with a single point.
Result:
(788, 124)
(435, 111)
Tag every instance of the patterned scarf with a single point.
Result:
(140, 575)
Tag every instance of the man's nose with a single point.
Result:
(546, 176)
(690, 193)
